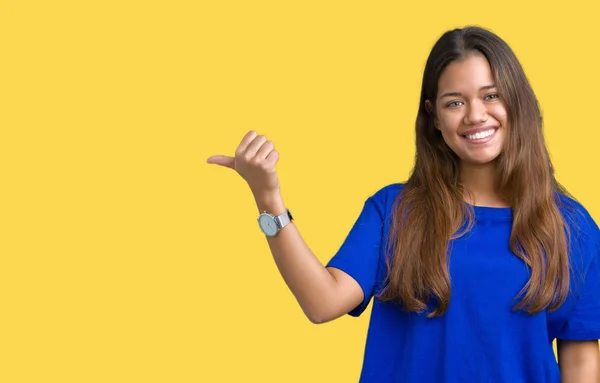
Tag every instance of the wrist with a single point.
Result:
(270, 202)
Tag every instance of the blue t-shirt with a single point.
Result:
(480, 338)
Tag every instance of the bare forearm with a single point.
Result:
(307, 278)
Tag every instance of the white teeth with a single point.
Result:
(480, 135)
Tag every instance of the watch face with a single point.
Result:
(268, 225)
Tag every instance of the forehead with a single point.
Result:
(466, 75)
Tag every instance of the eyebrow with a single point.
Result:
(458, 94)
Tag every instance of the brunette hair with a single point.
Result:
(430, 210)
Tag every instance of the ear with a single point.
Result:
(429, 109)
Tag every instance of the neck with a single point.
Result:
(479, 181)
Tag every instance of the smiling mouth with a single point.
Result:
(480, 137)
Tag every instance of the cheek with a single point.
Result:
(499, 113)
(449, 135)
(449, 123)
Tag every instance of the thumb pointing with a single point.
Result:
(226, 161)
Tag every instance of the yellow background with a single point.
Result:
(124, 257)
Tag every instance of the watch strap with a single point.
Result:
(284, 219)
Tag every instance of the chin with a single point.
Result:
(479, 161)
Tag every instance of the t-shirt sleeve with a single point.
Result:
(359, 254)
(583, 322)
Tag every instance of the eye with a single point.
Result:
(491, 96)
(453, 104)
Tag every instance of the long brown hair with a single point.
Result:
(430, 209)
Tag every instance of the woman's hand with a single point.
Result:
(255, 159)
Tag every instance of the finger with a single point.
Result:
(272, 158)
(264, 150)
(251, 135)
(251, 150)
(221, 160)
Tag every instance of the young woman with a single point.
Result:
(478, 261)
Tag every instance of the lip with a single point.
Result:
(477, 130)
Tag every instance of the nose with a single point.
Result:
(476, 113)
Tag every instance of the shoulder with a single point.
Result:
(578, 219)
(385, 196)
(388, 193)
(381, 201)
(582, 229)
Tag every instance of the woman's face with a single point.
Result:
(469, 113)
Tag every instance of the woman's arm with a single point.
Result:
(323, 293)
(579, 361)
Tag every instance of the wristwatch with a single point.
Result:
(271, 224)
